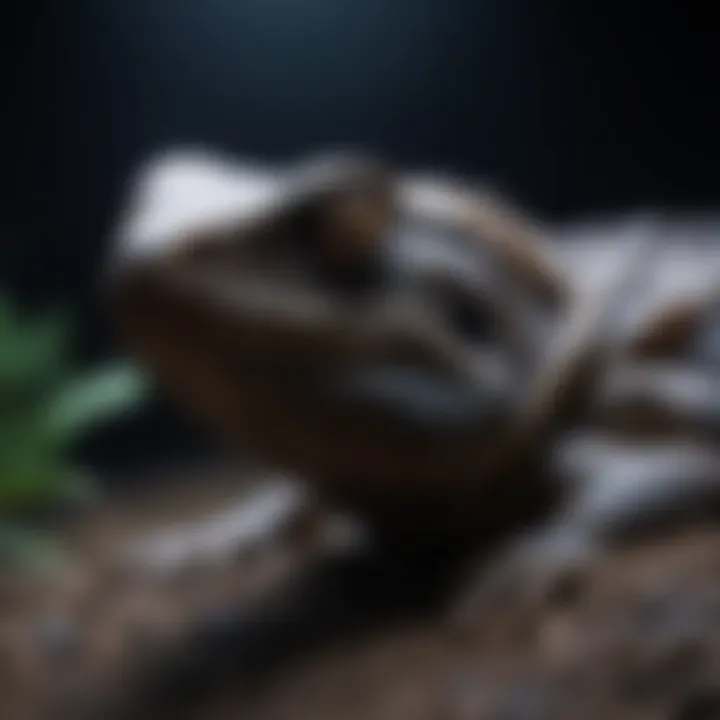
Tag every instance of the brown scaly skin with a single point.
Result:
(665, 386)
(231, 349)
(670, 331)
(492, 224)
(649, 462)
(214, 354)
(232, 358)
(480, 481)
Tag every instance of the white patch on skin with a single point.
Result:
(687, 268)
(186, 192)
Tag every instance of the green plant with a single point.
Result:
(46, 407)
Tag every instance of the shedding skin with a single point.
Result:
(248, 269)
(649, 464)
(229, 320)
(255, 278)
(491, 222)
(233, 320)
(619, 493)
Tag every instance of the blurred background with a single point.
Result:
(570, 108)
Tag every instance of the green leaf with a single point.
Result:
(94, 398)
(31, 480)
(43, 409)
(34, 354)
(29, 549)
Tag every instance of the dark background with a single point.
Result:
(570, 106)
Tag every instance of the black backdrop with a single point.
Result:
(569, 105)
